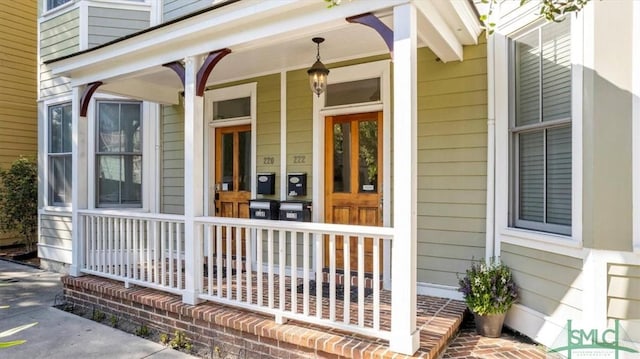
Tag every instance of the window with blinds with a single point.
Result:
(541, 129)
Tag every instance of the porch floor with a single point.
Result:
(438, 320)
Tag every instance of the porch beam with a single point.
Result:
(405, 337)
(373, 22)
(193, 180)
(437, 34)
(209, 63)
(86, 97)
(178, 68)
(132, 88)
(79, 181)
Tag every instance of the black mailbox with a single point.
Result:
(297, 184)
(298, 211)
(266, 183)
(264, 209)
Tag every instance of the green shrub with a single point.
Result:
(19, 200)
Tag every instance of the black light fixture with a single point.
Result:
(318, 72)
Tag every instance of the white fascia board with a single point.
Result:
(250, 24)
(437, 34)
(471, 24)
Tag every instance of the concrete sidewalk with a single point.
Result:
(30, 293)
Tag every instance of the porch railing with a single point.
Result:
(274, 267)
(134, 247)
(283, 271)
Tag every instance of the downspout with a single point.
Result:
(490, 249)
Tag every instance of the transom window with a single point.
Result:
(119, 154)
(59, 154)
(353, 92)
(541, 129)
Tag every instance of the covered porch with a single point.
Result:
(275, 268)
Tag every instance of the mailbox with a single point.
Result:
(266, 183)
(264, 209)
(298, 211)
(296, 184)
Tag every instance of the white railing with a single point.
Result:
(137, 248)
(273, 267)
(280, 260)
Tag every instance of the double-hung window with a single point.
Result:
(59, 154)
(540, 129)
(119, 154)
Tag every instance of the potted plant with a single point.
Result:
(489, 291)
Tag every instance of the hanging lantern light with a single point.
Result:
(318, 72)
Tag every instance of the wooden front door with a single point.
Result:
(353, 179)
(233, 174)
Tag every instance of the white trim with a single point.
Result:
(439, 290)
(119, 4)
(44, 166)
(379, 69)
(55, 211)
(283, 136)
(222, 94)
(542, 241)
(568, 245)
(83, 26)
(635, 95)
(537, 326)
(48, 14)
(490, 237)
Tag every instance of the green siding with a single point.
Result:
(548, 283)
(55, 231)
(268, 141)
(172, 9)
(59, 36)
(300, 126)
(268, 128)
(172, 198)
(452, 161)
(107, 24)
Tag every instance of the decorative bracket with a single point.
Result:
(178, 68)
(209, 63)
(368, 19)
(86, 97)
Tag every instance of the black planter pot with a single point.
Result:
(490, 325)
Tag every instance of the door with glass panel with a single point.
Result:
(353, 180)
(233, 175)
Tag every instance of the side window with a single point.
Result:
(59, 155)
(51, 4)
(119, 154)
(540, 129)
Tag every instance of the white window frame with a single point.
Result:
(149, 157)
(635, 78)
(45, 168)
(46, 8)
(516, 23)
(222, 94)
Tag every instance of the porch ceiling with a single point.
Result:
(265, 37)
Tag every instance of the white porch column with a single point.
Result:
(404, 336)
(193, 181)
(79, 182)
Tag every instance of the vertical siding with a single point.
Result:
(172, 159)
(549, 283)
(452, 136)
(55, 238)
(107, 24)
(300, 126)
(18, 90)
(172, 9)
(59, 36)
(623, 296)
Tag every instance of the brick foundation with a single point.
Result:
(248, 334)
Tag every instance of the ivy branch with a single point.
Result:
(550, 10)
